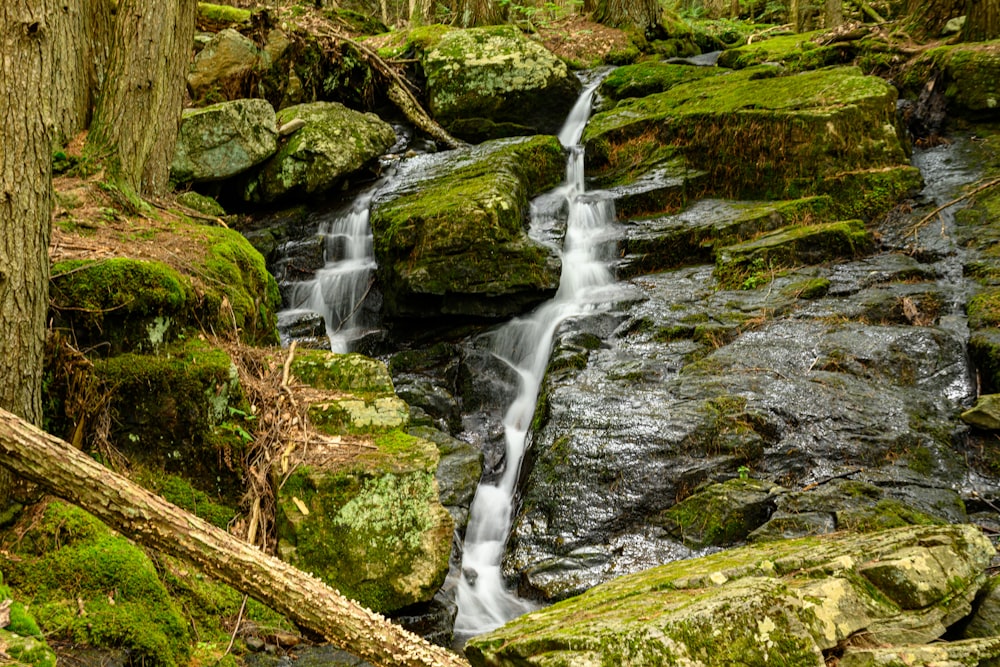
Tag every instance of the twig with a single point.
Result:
(239, 619)
(927, 218)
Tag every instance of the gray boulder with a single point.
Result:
(221, 68)
(491, 82)
(334, 143)
(222, 140)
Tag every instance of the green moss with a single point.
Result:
(354, 373)
(93, 587)
(984, 309)
(795, 52)
(885, 514)
(719, 515)
(180, 492)
(223, 14)
(809, 288)
(650, 77)
(171, 409)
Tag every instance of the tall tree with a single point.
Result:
(81, 34)
(643, 15)
(472, 13)
(138, 109)
(25, 205)
(833, 14)
(982, 20)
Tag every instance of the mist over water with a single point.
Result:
(524, 344)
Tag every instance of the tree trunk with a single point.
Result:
(81, 33)
(644, 15)
(472, 13)
(833, 14)
(138, 110)
(25, 200)
(927, 19)
(151, 521)
(982, 21)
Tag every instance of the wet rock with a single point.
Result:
(335, 143)
(721, 514)
(458, 471)
(492, 82)
(796, 599)
(792, 246)
(222, 140)
(963, 652)
(985, 619)
(450, 234)
(301, 324)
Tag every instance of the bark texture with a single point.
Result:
(149, 520)
(833, 14)
(472, 13)
(927, 19)
(138, 111)
(644, 15)
(25, 200)
(81, 32)
(982, 21)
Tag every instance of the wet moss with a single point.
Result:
(650, 77)
(885, 514)
(796, 52)
(356, 374)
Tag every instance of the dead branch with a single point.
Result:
(930, 216)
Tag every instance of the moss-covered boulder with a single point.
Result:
(971, 76)
(796, 52)
(451, 235)
(720, 514)
(22, 639)
(224, 139)
(223, 67)
(125, 304)
(650, 77)
(757, 135)
(491, 82)
(90, 586)
(752, 263)
(335, 143)
(178, 411)
(796, 601)
(362, 509)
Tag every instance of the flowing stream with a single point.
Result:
(338, 290)
(484, 602)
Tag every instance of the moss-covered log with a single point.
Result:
(148, 519)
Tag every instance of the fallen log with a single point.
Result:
(153, 522)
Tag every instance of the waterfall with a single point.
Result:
(484, 602)
(338, 290)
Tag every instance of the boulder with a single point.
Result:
(721, 514)
(755, 132)
(650, 77)
(224, 139)
(971, 75)
(985, 414)
(795, 52)
(797, 599)
(361, 510)
(223, 67)
(451, 232)
(335, 143)
(491, 82)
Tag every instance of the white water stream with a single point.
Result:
(484, 602)
(338, 290)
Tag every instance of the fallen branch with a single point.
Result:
(930, 216)
(153, 522)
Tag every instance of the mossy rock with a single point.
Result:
(751, 264)
(90, 586)
(178, 411)
(984, 350)
(353, 373)
(720, 514)
(759, 138)
(335, 143)
(122, 304)
(374, 527)
(179, 491)
(201, 203)
(790, 600)
(971, 74)
(647, 78)
(868, 194)
(21, 638)
(496, 74)
(796, 52)
(452, 240)
(215, 16)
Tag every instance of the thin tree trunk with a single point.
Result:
(472, 13)
(927, 19)
(834, 14)
(982, 21)
(151, 521)
(644, 15)
(139, 108)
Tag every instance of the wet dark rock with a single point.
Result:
(302, 324)
(721, 514)
(431, 620)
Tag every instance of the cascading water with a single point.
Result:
(338, 290)
(484, 602)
